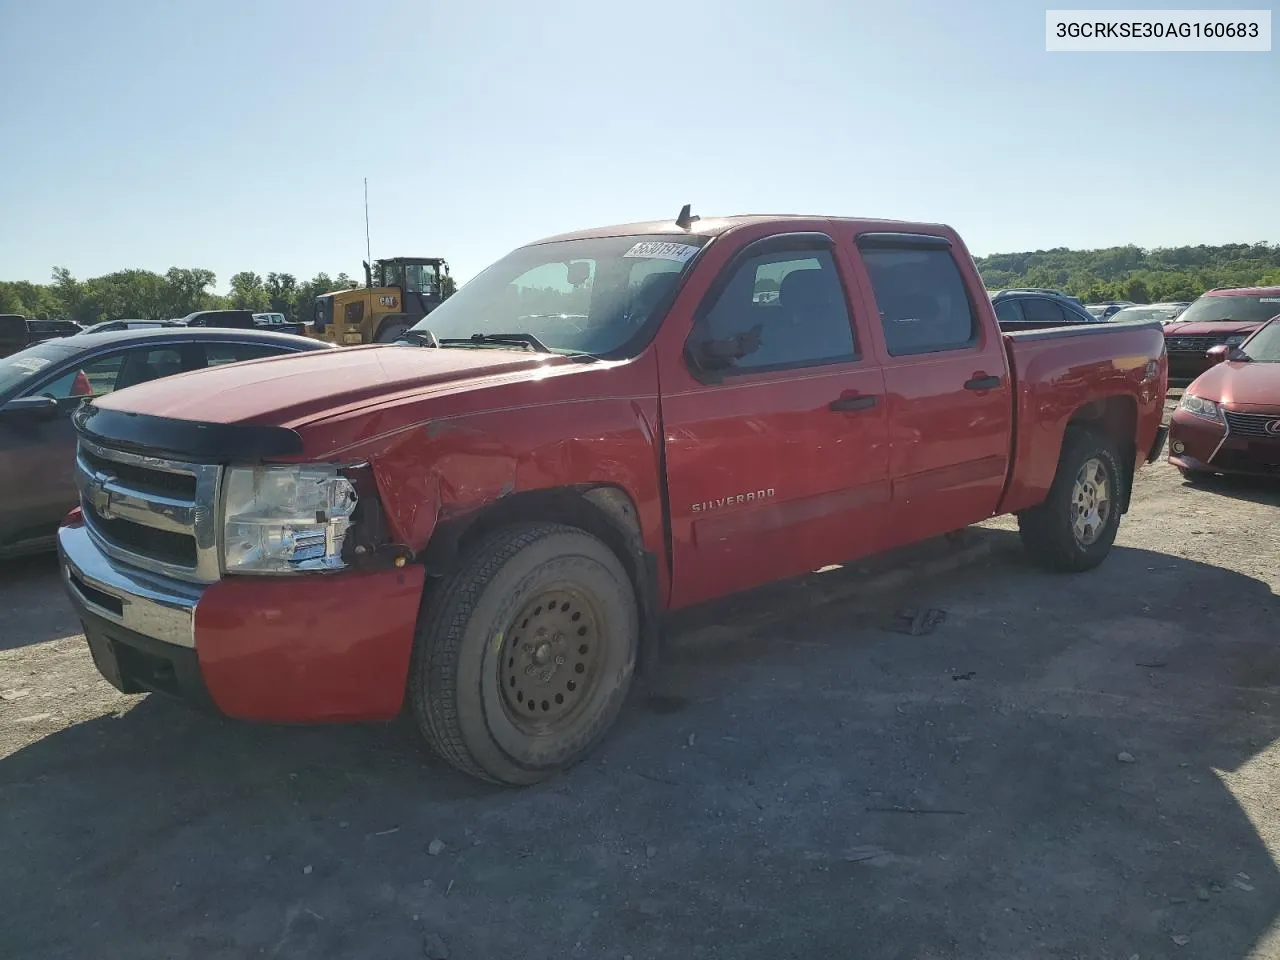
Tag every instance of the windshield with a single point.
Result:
(1096, 310)
(590, 296)
(1264, 346)
(1235, 309)
(28, 364)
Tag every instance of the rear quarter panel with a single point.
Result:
(1058, 373)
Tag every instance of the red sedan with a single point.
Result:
(1229, 418)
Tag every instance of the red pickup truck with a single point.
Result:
(487, 520)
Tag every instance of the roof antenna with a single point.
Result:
(685, 220)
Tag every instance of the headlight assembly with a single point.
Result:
(1201, 407)
(285, 519)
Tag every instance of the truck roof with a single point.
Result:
(714, 226)
(1243, 292)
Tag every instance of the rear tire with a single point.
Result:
(1074, 528)
(525, 653)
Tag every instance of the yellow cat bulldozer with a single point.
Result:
(397, 293)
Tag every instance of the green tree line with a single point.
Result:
(144, 295)
(1132, 273)
(1116, 273)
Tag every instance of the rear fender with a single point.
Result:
(1116, 418)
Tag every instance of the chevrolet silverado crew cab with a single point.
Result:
(486, 521)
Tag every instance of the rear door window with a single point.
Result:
(1040, 310)
(1008, 311)
(924, 307)
(216, 354)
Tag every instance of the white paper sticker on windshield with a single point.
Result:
(660, 250)
(30, 364)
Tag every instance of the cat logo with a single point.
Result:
(387, 301)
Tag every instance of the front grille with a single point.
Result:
(1193, 343)
(1253, 425)
(153, 513)
(176, 549)
(152, 481)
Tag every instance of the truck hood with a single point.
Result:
(1250, 384)
(292, 390)
(1222, 328)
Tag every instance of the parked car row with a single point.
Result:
(17, 332)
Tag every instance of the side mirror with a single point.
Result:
(30, 408)
(721, 354)
(1218, 354)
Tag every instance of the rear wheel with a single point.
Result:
(525, 653)
(1074, 528)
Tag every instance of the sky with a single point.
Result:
(237, 135)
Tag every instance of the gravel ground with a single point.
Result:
(1066, 767)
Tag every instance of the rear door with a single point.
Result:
(774, 423)
(947, 381)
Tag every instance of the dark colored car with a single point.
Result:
(18, 333)
(114, 326)
(41, 387)
(1218, 318)
(1229, 418)
(1034, 309)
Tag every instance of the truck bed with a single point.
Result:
(1058, 370)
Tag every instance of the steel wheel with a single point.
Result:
(1090, 501)
(550, 660)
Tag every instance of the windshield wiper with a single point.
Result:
(422, 337)
(525, 339)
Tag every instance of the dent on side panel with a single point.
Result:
(450, 467)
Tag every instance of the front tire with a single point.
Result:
(1075, 527)
(525, 653)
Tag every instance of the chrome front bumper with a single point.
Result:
(145, 603)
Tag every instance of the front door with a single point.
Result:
(775, 426)
(947, 379)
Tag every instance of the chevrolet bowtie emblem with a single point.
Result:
(100, 495)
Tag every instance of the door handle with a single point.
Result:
(853, 402)
(982, 383)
